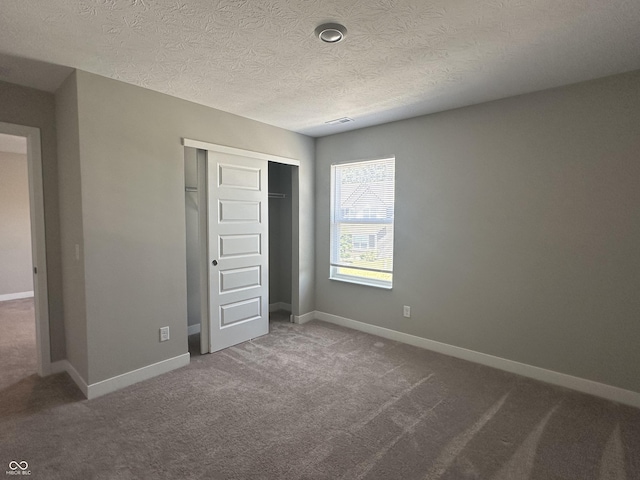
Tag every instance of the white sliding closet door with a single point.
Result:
(238, 248)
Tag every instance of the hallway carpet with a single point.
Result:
(18, 357)
(318, 401)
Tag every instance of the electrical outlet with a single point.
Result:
(164, 334)
(406, 311)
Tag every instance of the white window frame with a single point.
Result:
(337, 214)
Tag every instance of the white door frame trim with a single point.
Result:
(239, 151)
(38, 240)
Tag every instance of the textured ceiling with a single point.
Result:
(259, 58)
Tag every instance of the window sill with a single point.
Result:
(358, 281)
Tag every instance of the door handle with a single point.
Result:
(214, 263)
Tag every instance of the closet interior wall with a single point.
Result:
(280, 236)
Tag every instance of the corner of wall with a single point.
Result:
(71, 229)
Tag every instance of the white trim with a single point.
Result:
(120, 381)
(274, 307)
(187, 142)
(203, 245)
(65, 366)
(193, 329)
(307, 317)
(391, 156)
(15, 296)
(59, 366)
(38, 240)
(360, 280)
(609, 392)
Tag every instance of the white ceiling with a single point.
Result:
(260, 59)
(13, 144)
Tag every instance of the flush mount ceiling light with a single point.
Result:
(331, 32)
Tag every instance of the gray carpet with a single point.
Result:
(318, 401)
(17, 341)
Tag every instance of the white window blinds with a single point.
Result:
(362, 207)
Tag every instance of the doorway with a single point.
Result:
(282, 236)
(23, 280)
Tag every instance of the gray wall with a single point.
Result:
(33, 108)
(280, 234)
(133, 214)
(16, 274)
(517, 229)
(71, 230)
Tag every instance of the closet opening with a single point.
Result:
(280, 241)
(224, 288)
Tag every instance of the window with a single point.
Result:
(348, 212)
(363, 242)
(362, 205)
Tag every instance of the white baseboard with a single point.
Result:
(583, 385)
(65, 366)
(307, 317)
(193, 329)
(274, 307)
(58, 367)
(116, 383)
(15, 296)
(120, 381)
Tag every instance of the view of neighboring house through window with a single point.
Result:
(362, 203)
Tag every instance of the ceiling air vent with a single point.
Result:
(338, 121)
